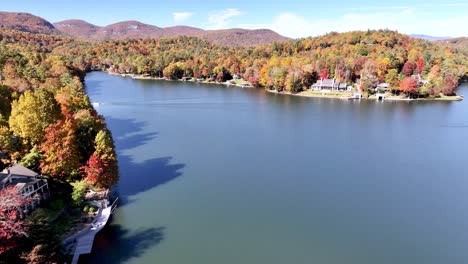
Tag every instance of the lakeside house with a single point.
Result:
(382, 87)
(420, 81)
(329, 85)
(29, 183)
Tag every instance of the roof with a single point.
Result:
(18, 176)
(20, 170)
(20, 185)
(328, 82)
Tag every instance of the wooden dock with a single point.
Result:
(85, 239)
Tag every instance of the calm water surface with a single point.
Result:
(211, 174)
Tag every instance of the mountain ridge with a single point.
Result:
(26, 22)
(133, 29)
(136, 29)
(427, 37)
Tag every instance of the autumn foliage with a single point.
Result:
(375, 55)
(11, 226)
(60, 150)
(408, 68)
(450, 83)
(420, 65)
(324, 74)
(409, 86)
(101, 170)
(48, 124)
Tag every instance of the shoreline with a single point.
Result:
(341, 96)
(349, 97)
(192, 80)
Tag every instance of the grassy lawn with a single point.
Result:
(239, 82)
(449, 98)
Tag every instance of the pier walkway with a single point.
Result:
(84, 239)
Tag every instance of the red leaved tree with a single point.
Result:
(60, 150)
(11, 226)
(220, 76)
(450, 84)
(420, 65)
(324, 74)
(408, 68)
(102, 170)
(408, 86)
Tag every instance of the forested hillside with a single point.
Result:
(26, 22)
(368, 56)
(235, 37)
(48, 125)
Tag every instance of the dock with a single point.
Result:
(84, 239)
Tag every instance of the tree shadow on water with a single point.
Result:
(116, 245)
(143, 177)
(137, 177)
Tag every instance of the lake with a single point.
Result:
(211, 174)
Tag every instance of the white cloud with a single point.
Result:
(378, 7)
(406, 21)
(181, 16)
(221, 19)
(460, 4)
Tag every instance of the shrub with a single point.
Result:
(78, 194)
(57, 204)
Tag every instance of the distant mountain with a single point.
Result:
(26, 22)
(460, 42)
(430, 38)
(242, 37)
(78, 28)
(128, 29)
(182, 30)
(135, 29)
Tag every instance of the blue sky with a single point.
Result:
(290, 18)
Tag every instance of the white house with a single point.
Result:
(329, 84)
(382, 87)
